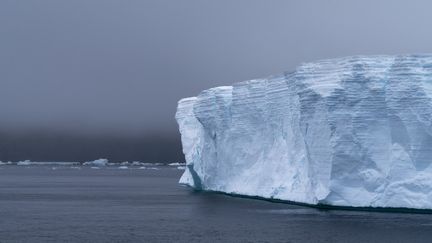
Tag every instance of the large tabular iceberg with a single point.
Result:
(353, 131)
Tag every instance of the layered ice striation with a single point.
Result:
(354, 131)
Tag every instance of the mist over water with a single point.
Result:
(103, 68)
(47, 145)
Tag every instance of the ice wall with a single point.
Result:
(354, 131)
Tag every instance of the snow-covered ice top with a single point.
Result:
(354, 131)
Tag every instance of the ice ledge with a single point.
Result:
(354, 131)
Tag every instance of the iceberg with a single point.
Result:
(24, 162)
(353, 131)
(98, 162)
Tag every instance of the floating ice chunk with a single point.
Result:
(150, 164)
(123, 167)
(177, 164)
(98, 162)
(39, 163)
(25, 162)
(181, 167)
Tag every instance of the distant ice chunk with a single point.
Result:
(98, 162)
(123, 167)
(150, 164)
(177, 164)
(39, 163)
(25, 162)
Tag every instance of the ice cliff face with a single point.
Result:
(353, 131)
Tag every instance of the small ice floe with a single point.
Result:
(136, 163)
(149, 164)
(142, 168)
(2, 163)
(95, 167)
(124, 163)
(59, 163)
(25, 162)
(98, 162)
(123, 167)
(181, 167)
(153, 168)
(177, 164)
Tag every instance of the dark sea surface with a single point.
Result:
(80, 204)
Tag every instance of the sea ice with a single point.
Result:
(98, 162)
(176, 164)
(25, 162)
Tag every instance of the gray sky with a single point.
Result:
(121, 66)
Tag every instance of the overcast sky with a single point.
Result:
(121, 66)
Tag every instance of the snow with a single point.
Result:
(353, 131)
(98, 162)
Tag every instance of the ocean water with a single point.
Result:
(80, 204)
